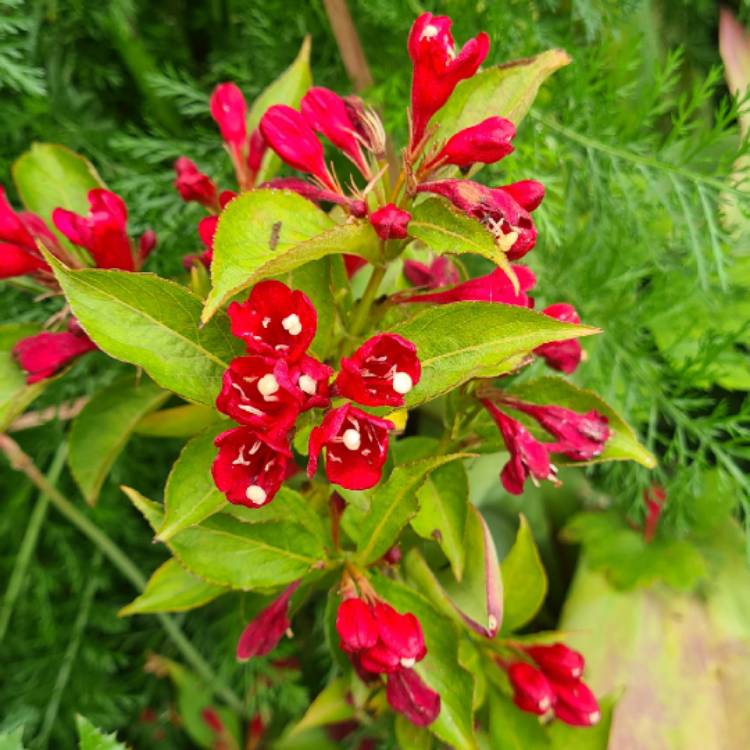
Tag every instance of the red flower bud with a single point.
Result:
(564, 356)
(485, 143)
(103, 232)
(327, 113)
(353, 263)
(407, 694)
(146, 245)
(381, 372)
(401, 634)
(575, 704)
(528, 457)
(318, 195)
(437, 67)
(45, 354)
(248, 468)
(532, 692)
(257, 151)
(494, 287)
(206, 231)
(441, 272)
(557, 661)
(258, 392)
(311, 378)
(356, 626)
(289, 135)
(275, 321)
(654, 497)
(527, 193)
(356, 446)
(511, 224)
(229, 110)
(266, 629)
(390, 222)
(193, 185)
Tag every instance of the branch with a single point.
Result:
(61, 412)
(349, 45)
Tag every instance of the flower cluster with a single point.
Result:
(553, 685)
(380, 641)
(266, 390)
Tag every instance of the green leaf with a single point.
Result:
(445, 230)
(172, 589)
(153, 323)
(184, 421)
(440, 669)
(91, 738)
(264, 233)
(627, 560)
(409, 736)
(623, 445)
(48, 176)
(15, 395)
(504, 90)
(330, 706)
(513, 729)
(12, 740)
(443, 505)
(524, 578)
(466, 340)
(190, 495)
(103, 427)
(393, 504)
(227, 552)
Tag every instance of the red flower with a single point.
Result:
(528, 457)
(441, 272)
(229, 110)
(318, 195)
(103, 232)
(495, 208)
(267, 628)
(564, 356)
(327, 113)
(45, 354)
(437, 67)
(407, 694)
(249, 469)
(258, 392)
(532, 691)
(256, 152)
(19, 233)
(381, 372)
(486, 143)
(580, 437)
(557, 661)
(575, 704)
(390, 222)
(353, 263)
(356, 626)
(193, 185)
(527, 193)
(655, 497)
(356, 446)
(275, 321)
(206, 231)
(494, 287)
(311, 378)
(286, 131)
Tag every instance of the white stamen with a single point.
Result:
(265, 323)
(352, 439)
(492, 623)
(594, 716)
(292, 324)
(268, 385)
(429, 31)
(402, 382)
(407, 663)
(545, 704)
(307, 385)
(255, 494)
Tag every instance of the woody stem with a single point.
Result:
(21, 461)
(359, 319)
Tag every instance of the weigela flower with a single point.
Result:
(564, 356)
(408, 694)
(327, 113)
(437, 67)
(575, 704)
(493, 287)
(311, 378)
(381, 372)
(441, 272)
(485, 143)
(557, 661)
(266, 629)
(367, 123)
(390, 222)
(495, 208)
(44, 354)
(249, 469)
(257, 148)
(287, 132)
(103, 232)
(580, 437)
(229, 110)
(206, 231)
(527, 193)
(356, 446)
(532, 691)
(528, 457)
(258, 392)
(194, 185)
(356, 626)
(275, 321)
